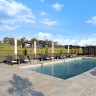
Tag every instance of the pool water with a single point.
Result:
(67, 69)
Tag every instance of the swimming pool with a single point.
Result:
(67, 69)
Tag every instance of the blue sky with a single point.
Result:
(63, 21)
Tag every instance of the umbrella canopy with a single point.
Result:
(68, 49)
(52, 47)
(35, 48)
(15, 47)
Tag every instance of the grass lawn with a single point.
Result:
(9, 50)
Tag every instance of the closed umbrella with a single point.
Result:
(15, 48)
(52, 48)
(35, 48)
(68, 49)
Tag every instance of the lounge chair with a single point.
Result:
(11, 60)
(44, 57)
(24, 59)
(59, 56)
(52, 57)
(69, 55)
(2, 59)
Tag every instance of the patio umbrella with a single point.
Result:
(52, 48)
(35, 48)
(68, 49)
(15, 48)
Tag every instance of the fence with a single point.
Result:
(39, 51)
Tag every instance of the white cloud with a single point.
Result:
(42, 0)
(43, 14)
(44, 35)
(12, 12)
(89, 41)
(65, 41)
(92, 20)
(49, 22)
(9, 27)
(76, 41)
(57, 6)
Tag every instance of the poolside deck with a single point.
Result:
(19, 82)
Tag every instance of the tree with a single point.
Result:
(11, 41)
(8, 40)
(22, 41)
(49, 43)
(1, 42)
(25, 51)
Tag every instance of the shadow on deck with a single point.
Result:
(22, 87)
(93, 72)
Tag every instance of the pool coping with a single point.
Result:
(64, 60)
(52, 62)
(80, 85)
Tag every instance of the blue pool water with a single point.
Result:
(66, 70)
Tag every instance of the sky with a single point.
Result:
(63, 21)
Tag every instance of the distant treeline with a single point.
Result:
(40, 43)
(22, 41)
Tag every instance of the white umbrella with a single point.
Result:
(52, 48)
(68, 49)
(15, 47)
(35, 48)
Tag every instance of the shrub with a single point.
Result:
(25, 51)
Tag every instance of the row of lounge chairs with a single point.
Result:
(44, 57)
(58, 56)
(25, 59)
(12, 60)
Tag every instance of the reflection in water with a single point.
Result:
(66, 70)
(52, 70)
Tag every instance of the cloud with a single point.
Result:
(65, 41)
(89, 41)
(9, 27)
(49, 22)
(44, 36)
(76, 41)
(92, 20)
(57, 38)
(42, 0)
(57, 6)
(43, 14)
(12, 12)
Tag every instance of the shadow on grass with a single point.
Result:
(93, 72)
(22, 87)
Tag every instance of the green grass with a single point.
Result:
(9, 50)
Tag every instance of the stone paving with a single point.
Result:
(19, 82)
